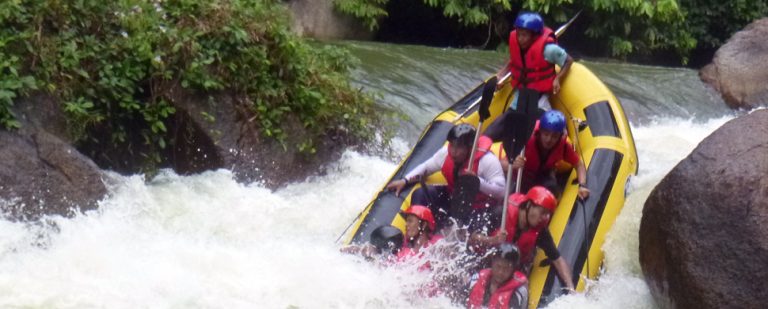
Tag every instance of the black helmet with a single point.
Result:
(387, 238)
(509, 252)
(463, 134)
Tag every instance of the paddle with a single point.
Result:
(517, 132)
(467, 185)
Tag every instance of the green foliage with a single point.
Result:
(627, 27)
(467, 12)
(712, 22)
(114, 65)
(624, 27)
(368, 11)
(471, 12)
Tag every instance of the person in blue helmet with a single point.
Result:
(548, 153)
(533, 54)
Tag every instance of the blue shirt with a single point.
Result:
(555, 54)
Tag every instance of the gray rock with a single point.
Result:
(704, 231)
(219, 132)
(319, 19)
(739, 70)
(43, 175)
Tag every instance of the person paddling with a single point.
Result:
(549, 153)
(452, 160)
(500, 286)
(526, 226)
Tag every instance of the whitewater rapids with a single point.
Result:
(206, 241)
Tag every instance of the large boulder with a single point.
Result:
(319, 19)
(218, 131)
(704, 231)
(40, 172)
(739, 69)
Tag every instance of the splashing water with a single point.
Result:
(206, 241)
(660, 145)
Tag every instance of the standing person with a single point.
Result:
(527, 219)
(548, 153)
(501, 286)
(533, 54)
(452, 160)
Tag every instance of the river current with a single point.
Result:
(206, 241)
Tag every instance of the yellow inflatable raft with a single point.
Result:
(602, 134)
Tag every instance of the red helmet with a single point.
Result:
(542, 197)
(421, 212)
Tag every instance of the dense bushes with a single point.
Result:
(623, 28)
(113, 64)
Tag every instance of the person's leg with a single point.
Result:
(549, 181)
(498, 128)
(437, 199)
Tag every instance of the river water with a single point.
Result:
(206, 241)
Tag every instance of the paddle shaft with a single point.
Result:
(506, 189)
(474, 146)
(477, 101)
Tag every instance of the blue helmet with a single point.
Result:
(552, 120)
(531, 21)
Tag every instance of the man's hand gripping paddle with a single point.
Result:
(467, 184)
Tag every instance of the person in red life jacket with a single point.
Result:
(549, 153)
(533, 54)
(527, 219)
(451, 160)
(419, 231)
(500, 286)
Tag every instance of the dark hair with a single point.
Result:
(507, 251)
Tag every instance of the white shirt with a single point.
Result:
(489, 171)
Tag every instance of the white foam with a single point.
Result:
(206, 241)
(660, 145)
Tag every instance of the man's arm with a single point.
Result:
(564, 272)
(491, 177)
(546, 243)
(581, 170)
(430, 166)
(555, 54)
(425, 168)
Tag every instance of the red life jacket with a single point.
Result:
(533, 165)
(500, 298)
(484, 144)
(407, 252)
(535, 73)
(526, 241)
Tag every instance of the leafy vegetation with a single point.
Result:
(712, 22)
(118, 65)
(623, 27)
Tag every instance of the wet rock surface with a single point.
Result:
(739, 70)
(704, 231)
